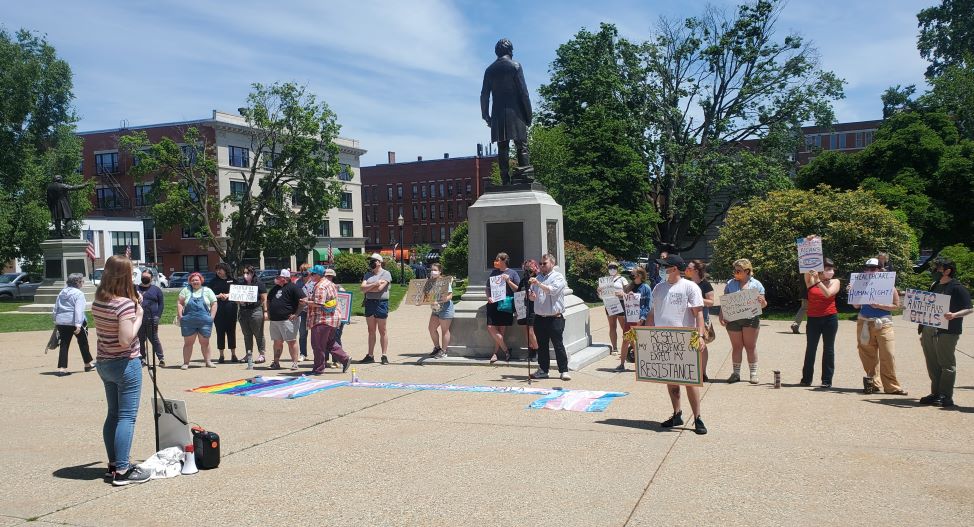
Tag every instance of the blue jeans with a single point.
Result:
(824, 328)
(123, 389)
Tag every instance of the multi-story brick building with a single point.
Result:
(119, 220)
(431, 197)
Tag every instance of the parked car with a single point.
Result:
(267, 276)
(178, 279)
(627, 265)
(19, 285)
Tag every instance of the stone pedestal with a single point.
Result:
(525, 222)
(61, 258)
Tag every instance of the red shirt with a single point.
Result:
(818, 304)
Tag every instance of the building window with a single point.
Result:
(388, 192)
(416, 237)
(432, 233)
(375, 193)
(295, 197)
(399, 191)
(432, 190)
(237, 190)
(859, 138)
(127, 240)
(268, 159)
(107, 198)
(869, 137)
(345, 228)
(106, 163)
(461, 210)
(809, 142)
(842, 140)
(324, 231)
(422, 209)
(189, 154)
(469, 188)
(142, 195)
(415, 213)
(188, 231)
(415, 190)
(449, 189)
(833, 141)
(400, 213)
(365, 194)
(345, 172)
(195, 262)
(239, 157)
(368, 215)
(375, 213)
(449, 211)
(442, 212)
(346, 201)
(389, 215)
(442, 234)
(423, 187)
(392, 235)
(442, 190)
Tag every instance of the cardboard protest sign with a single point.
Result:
(605, 285)
(926, 308)
(740, 305)
(613, 305)
(871, 288)
(243, 293)
(426, 291)
(810, 255)
(345, 305)
(519, 306)
(668, 355)
(632, 308)
(498, 287)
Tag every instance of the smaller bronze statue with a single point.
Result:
(59, 205)
(511, 113)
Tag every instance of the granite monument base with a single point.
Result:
(61, 258)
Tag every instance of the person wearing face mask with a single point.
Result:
(442, 316)
(615, 286)
(498, 321)
(823, 321)
(250, 315)
(225, 320)
(874, 328)
(153, 304)
(939, 345)
(375, 285)
(744, 333)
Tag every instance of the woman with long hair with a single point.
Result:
(117, 311)
(225, 319)
(442, 316)
(697, 272)
(823, 321)
(530, 268)
(498, 320)
(744, 333)
(195, 310)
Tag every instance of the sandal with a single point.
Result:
(221, 360)
(275, 365)
(260, 359)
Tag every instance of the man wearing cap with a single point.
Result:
(375, 285)
(306, 281)
(283, 307)
(875, 340)
(324, 320)
(548, 294)
(939, 345)
(678, 303)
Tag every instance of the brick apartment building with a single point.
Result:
(119, 220)
(431, 197)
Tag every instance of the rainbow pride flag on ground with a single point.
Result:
(274, 387)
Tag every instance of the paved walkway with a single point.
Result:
(794, 456)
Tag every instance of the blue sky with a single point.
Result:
(402, 76)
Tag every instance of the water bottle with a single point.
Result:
(354, 376)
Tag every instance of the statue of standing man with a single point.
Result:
(59, 205)
(511, 113)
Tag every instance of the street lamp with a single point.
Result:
(402, 273)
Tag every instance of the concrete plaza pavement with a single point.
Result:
(794, 456)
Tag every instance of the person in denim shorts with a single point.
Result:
(441, 317)
(375, 285)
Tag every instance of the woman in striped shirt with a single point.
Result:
(117, 311)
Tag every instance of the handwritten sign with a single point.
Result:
(668, 355)
(519, 305)
(613, 305)
(632, 308)
(926, 308)
(345, 305)
(740, 305)
(498, 287)
(426, 291)
(605, 285)
(871, 288)
(810, 255)
(243, 293)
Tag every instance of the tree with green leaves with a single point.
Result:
(290, 182)
(37, 141)
(947, 35)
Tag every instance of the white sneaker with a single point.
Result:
(294, 366)
(540, 374)
(184, 367)
(565, 376)
(754, 378)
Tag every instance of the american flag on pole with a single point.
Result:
(330, 254)
(128, 252)
(90, 250)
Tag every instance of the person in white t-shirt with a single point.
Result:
(678, 302)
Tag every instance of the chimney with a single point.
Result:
(446, 155)
(392, 158)
(419, 158)
(480, 150)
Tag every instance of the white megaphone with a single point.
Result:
(189, 460)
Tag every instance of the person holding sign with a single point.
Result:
(874, 328)
(823, 321)
(324, 321)
(442, 316)
(548, 294)
(744, 333)
(678, 303)
(250, 315)
(225, 320)
(501, 285)
(939, 345)
(697, 272)
(611, 290)
(641, 288)
(530, 268)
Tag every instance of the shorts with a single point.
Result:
(739, 325)
(498, 318)
(446, 311)
(526, 321)
(286, 330)
(190, 329)
(377, 307)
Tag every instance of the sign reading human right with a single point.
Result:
(871, 288)
(926, 308)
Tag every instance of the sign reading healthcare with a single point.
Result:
(740, 305)
(668, 355)
(810, 255)
(871, 288)
(926, 308)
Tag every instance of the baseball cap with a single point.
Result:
(318, 270)
(285, 273)
(872, 262)
(375, 256)
(330, 272)
(672, 260)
